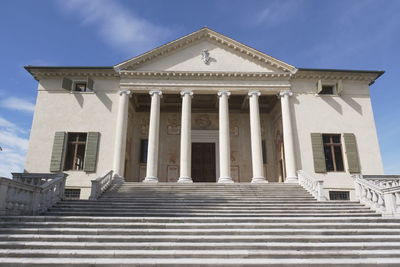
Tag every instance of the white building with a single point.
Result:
(204, 108)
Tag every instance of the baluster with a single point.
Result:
(374, 199)
(381, 203)
(397, 196)
(369, 196)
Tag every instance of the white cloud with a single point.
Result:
(18, 104)
(13, 148)
(7, 124)
(116, 25)
(275, 12)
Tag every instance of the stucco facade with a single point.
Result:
(205, 63)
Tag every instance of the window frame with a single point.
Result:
(76, 144)
(87, 90)
(143, 151)
(332, 145)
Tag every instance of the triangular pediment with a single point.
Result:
(205, 51)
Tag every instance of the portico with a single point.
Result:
(221, 105)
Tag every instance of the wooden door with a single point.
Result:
(203, 162)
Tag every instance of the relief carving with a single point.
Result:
(202, 121)
(234, 156)
(172, 173)
(173, 125)
(144, 126)
(172, 157)
(234, 127)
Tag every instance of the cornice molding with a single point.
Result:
(335, 76)
(213, 36)
(202, 75)
(50, 74)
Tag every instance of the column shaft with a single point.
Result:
(288, 143)
(256, 142)
(186, 138)
(120, 135)
(154, 136)
(224, 139)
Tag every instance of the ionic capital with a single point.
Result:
(254, 93)
(285, 93)
(155, 92)
(226, 93)
(186, 92)
(125, 92)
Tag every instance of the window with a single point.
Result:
(72, 193)
(81, 87)
(327, 90)
(143, 150)
(339, 195)
(333, 152)
(75, 156)
(264, 152)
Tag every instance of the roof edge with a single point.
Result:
(378, 73)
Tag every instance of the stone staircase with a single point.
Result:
(202, 224)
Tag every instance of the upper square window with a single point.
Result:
(329, 87)
(327, 90)
(81, 87)
(78, 85)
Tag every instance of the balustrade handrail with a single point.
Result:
(21, 198)
(313, 185)
(379, 192)
(100, 185)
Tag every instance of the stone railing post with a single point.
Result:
(35, 204)
(3, 196)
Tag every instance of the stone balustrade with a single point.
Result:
(379, 192)
(312, 185)
(30, 193)
(101, 184)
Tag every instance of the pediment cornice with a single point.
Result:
(217, 38)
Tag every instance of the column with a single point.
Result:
(154, 136)
(256, 142)
(186, 138)
(121, 130)
(224, 139)
(288, 144)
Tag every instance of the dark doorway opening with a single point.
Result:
(203, 162)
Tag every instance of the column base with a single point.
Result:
(150, 179)
(227, 180)
(292, 180)
(260, 180)
(185, 179)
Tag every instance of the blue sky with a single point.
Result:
(348, 34)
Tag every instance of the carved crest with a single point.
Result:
(205, 56)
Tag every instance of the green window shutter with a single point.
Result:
(319, 86)
(92, 145)
(353, 161)
(67, 84)
(58, 152)
(339, 87)
(318, 152)
(90, 84)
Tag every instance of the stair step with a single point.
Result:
(253, 245)
(317, 238)
(60, 261)
(174, 253)
(155, 225)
